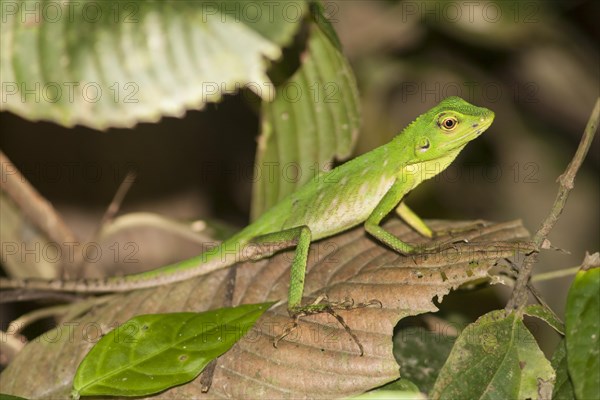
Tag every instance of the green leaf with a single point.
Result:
(543, 313)
(583, 329)
(495, 357)
(313, 119)
(563, 388)
(150, 353)
(317, 12)
(114, 63)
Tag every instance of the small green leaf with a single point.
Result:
(583, 329)
(535, 310)
(150, 353)
(563, 388)
(495, 357)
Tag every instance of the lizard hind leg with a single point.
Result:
(301, 236)
(322, 305)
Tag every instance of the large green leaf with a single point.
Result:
(495, 357)
(313, 119)
(583, 330)
(113, 64)
(150, 353)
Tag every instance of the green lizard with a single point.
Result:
(363, 190)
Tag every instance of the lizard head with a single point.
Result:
(445, 129)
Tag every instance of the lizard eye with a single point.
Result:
(449, 123)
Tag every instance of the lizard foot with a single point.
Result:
(322, 305)
(445, 240)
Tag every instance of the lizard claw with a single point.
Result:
(288, 329)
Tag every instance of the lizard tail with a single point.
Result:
(226, 254)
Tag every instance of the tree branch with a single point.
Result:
(519, 296)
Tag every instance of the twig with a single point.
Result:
(206, 379)
(538, 296)
(519, 297)
(17, 325)
(561, 273)
(38, 210)
(113, 207)
(58, 312)
(117, 200)
(20, 295)
(534, 291)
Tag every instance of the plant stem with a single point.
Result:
(519, 295)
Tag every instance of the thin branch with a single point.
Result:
(112, 209)
(19, 324)
(115, 204)
(519, 296)
(514, 269)
(540, 299)
(20, 295)
(561, 273)
(38, 210)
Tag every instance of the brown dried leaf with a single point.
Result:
(318, 360)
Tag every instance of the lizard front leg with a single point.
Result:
(387, 203)
(415, 222)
